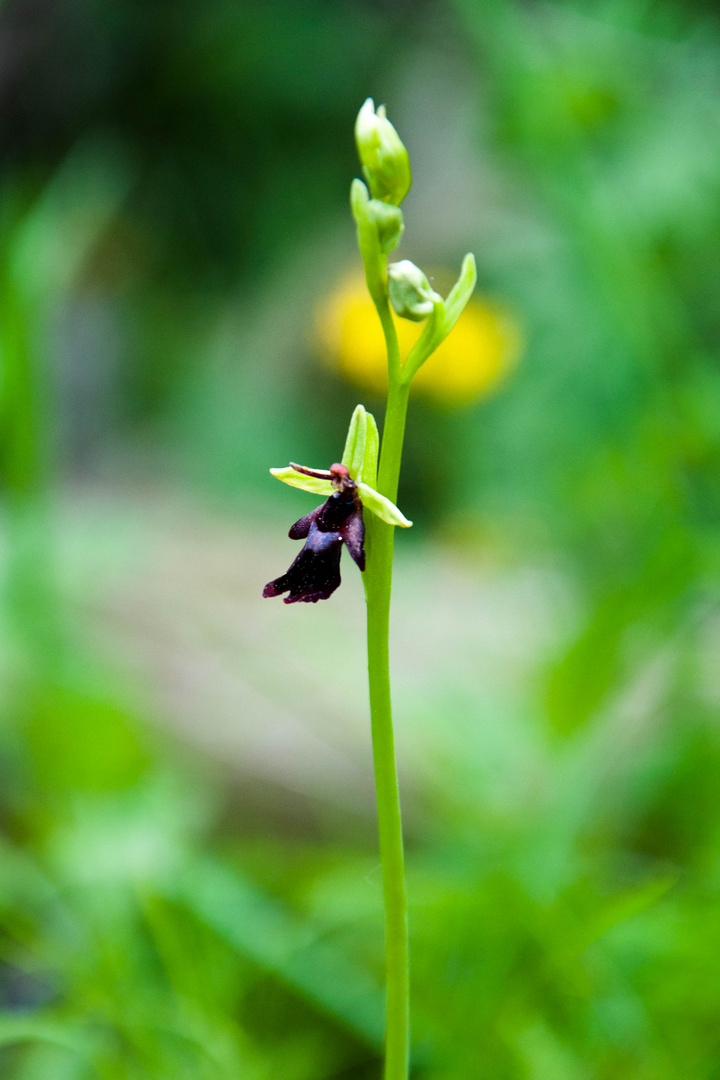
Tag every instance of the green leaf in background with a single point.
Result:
(259, 927)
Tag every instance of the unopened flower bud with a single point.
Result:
(388, 221)
(410, 292)
(385, 161)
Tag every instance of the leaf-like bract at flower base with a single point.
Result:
(445, 314)
(459, 295)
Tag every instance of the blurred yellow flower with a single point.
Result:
(483, 347)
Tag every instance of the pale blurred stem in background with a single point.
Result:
(27, 591)
(44, 246)
(378, 587)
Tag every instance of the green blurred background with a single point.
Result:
(189, 884)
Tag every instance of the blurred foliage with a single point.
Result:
(174, 185)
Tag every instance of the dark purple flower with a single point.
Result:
(315, 574)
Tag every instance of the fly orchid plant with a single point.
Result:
(367, 479)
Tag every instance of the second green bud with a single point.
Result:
(410, 293)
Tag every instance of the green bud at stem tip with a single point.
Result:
(384, 159)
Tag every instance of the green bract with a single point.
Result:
(385, 161)
(444, 316)
(360, 457)
(458, 296)
(369, 240)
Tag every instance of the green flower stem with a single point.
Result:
(387, 171)
(378, 587)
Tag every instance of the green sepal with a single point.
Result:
(354, 450)
(288, 475)
(360, 455)
(372, 452)
(371, 499)
(381, 506)
(360, 458)
(444, 316)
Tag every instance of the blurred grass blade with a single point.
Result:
(39, 1029)
(263, 931)
(58, 234)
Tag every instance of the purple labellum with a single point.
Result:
(315, 574)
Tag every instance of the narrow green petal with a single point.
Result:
(299, 480)
(385, 510)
